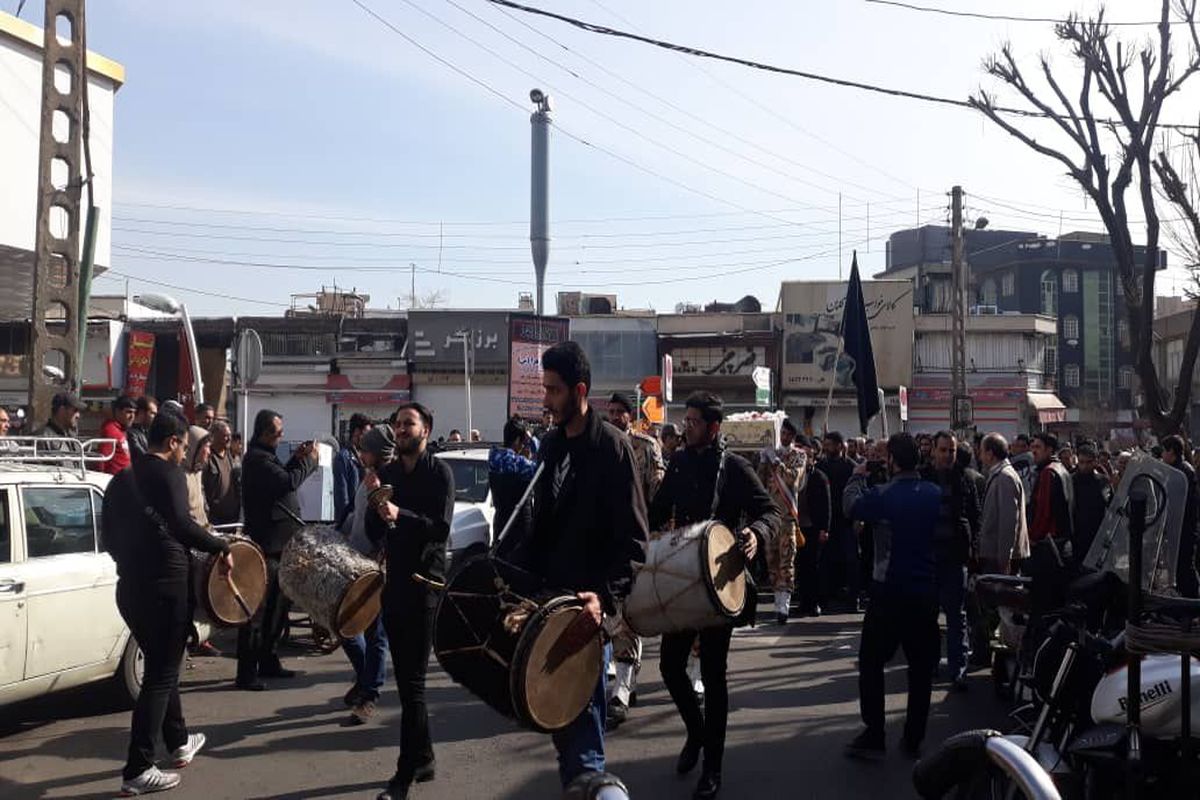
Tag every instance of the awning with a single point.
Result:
(1049, 408)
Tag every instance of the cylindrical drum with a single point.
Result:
(693, 578)
(217, 602)
(338, 587)
(494, 633)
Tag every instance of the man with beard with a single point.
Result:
(589, 531)
(813, 505)
(413, 527)
(1051, 530)
(648, 469)
(136, 436)
(1092, 494)
(839, 559)
(705, 482)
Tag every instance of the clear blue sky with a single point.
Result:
(303, 133)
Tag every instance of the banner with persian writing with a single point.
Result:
(138, 359)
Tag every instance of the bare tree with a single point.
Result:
(1107, 156)
(434, 298)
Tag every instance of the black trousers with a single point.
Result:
(706, 726)
(894, 621)
(808, 578)
(258, 641)
(160, 622)
(408, 620)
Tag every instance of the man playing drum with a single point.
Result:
(413, 527)
(742, 504)
(649, 469)
(589, 530)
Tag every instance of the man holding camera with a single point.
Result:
(271, 507)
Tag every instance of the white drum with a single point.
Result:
(339, 588)
(693, 578)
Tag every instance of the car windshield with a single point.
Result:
(470, 479)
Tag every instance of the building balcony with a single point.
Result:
(990, 323)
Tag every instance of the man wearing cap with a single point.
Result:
(64, 419)
(648, 469)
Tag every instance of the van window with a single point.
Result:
(5, 530)
(58, 520)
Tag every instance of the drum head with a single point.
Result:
(552, 699)
(360, 605)
(249, 576)
(726, 569)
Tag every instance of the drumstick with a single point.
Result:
(524, 499)
(435, 584)
(241, 601)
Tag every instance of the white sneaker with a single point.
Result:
(150, 781)
(182, 756)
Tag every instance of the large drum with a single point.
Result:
(494, 631)
(693, 578)
(339, 587)
(226, 601)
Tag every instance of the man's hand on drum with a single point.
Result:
(225, 564)
(581, 630)
(749, 544)
(390, 512)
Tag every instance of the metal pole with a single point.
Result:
(466, 340)
(958, 310)
(1133, 686)
(539, 213)
(193, 354)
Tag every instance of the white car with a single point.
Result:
(59, 623)
(471, 529)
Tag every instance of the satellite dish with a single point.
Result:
(249, 357)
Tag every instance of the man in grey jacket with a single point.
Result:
(1003, 535)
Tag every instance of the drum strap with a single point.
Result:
(517, 508)
(718, 484)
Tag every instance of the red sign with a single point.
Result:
(137, 362)
(187, 379)
(528, 338)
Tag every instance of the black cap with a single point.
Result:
(670, 429)
(66, 399)
(622, 399)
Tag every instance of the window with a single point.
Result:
(5, 530)
(470, 479)
(987, 293)
(1049, 294)
(59, 520)
(1071, 375)
(1051, 363)
(1070, 280)
(1123, 333)
(1125, 378)
(1070, 326)
(1008, 284)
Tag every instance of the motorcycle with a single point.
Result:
(1091, 739)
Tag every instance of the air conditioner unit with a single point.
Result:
(978, 311)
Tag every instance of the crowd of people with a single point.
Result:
(893, 529)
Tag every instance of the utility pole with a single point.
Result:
(56, 251)
(539, 212)
(961, 412)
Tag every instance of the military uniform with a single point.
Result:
(627, 646)
(782, 469)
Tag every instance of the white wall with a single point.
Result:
(305, 416)
(21, 97)
(489, 407)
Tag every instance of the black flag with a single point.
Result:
(856, 335)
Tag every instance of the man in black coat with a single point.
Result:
(1185, 574)
(699, 474)
(589, 530)
(413, 527)
(839, 556)
(270, 506)
(1092, 495)
(813, 504)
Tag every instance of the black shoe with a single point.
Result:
(689, 757)
(910, 747)
(868, 745)
(277, 672)
(353, 697)
(708, 787)
(700, 699)
(815, 611)
(425, 773)
(397, 788)
(618, 712)
(250, 685)
(632, 699)
(781, 619)
(959, 684)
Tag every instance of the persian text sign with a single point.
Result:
(718, 361)
(528, 338)
(137, 366)
(813, 317)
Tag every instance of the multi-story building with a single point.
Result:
(1070, 336)
(1172, 321)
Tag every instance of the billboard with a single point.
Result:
(435, 337)
(812, 316)
(528, 338)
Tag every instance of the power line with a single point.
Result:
(1003, 17)
(112, 273)
(812, 76)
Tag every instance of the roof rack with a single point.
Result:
(56, 452)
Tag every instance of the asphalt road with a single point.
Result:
(793, 695)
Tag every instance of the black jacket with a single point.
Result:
(146, 527)
(138, 440)
(1092, 494)
(957, 532)
(838, 470)
(418, 542)
(266, 482)
(816, 494)
(686, 495)
(589, 523)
